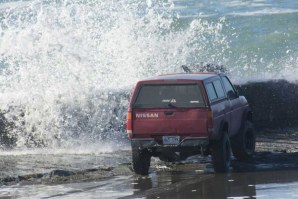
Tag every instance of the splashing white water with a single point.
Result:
(68, 67)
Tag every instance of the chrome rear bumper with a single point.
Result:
(195, 142)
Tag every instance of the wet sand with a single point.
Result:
(109, 175)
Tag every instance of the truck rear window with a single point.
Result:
(169, 96)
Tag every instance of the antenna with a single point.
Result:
(186, 69)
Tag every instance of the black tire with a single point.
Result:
(244, 143)
(141, 161)
(221, 154)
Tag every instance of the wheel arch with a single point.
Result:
(218, 132)
(224, 127)
(249, 115)
(246, 116)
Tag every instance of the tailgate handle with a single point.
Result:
(169, 113)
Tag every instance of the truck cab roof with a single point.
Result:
(184, 76)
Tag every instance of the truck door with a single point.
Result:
(219, 104)
(235, 106)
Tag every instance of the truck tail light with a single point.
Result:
(129, 124)
(210, 121)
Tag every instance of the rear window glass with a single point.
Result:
(169, 96)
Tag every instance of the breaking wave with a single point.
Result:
(67, 67)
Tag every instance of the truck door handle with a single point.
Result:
(168, 113)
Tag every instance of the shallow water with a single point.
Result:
(268, 184)
(113, 188)
(109, 175)
(44, 163)
(239, 185)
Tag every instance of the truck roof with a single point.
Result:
(184, 76)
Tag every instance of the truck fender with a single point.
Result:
(246, 115)
(223, 127)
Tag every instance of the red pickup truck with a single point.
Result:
(178, 115)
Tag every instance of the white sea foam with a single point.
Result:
(246, 4)
(265, 11)
(14, 5)
(82, 149)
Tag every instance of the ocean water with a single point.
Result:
(67, 67)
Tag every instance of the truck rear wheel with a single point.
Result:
(141, 161)
(221, 154)
(244, 143)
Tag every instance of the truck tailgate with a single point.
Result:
(182, 121)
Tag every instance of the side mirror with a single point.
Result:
(232, 95)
